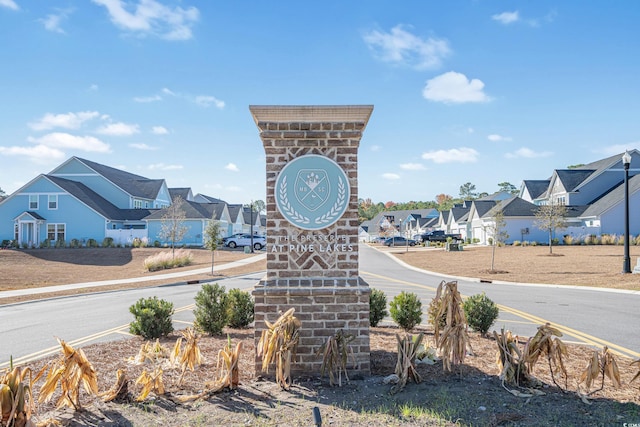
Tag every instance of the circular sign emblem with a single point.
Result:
(312, 192)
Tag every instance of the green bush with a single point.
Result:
(152, 317)
(212, 309)
(481, 312)
(74, 243)
(156, 244)
(241, 308)
(60, 243)
(107, 242)
(377, 307)
(406, 310)
(92, 243)
(46, 243)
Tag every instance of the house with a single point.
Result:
(404, 222)
(84, 200)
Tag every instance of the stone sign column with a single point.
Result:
(312, 228)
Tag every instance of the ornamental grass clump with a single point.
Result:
(166, 260)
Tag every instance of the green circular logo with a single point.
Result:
(312, 192)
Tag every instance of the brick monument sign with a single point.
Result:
(312, 228)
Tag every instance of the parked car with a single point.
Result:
(399, 241)
(244, 239)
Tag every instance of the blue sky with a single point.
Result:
(463, 91)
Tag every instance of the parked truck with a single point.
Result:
(439, 236)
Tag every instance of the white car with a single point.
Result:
(244, 239)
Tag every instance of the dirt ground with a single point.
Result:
(471, 395)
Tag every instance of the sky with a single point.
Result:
(477, 91)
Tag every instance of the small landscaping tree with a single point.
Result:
(550, 218)
(377, 307)
(481, 312)
(172, 228)
(496, 229)
(212, 309)
(212, 237)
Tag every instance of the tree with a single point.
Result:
(2, 194)
(212, 237)
(468, 191)
(444, 201)
(551, 218)
(260, 206)
(172, 228)
(508, 187)
(496, 230)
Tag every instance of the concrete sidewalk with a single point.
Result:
(177, 274)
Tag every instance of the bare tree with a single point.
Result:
(550, 218)
(172, 227)
(496, 230)
(212, 237)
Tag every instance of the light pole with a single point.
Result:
(406, 233)
(251, 226)
(626, 161)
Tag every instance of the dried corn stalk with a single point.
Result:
(71, 370)
(453, 340)
(546, 342)
(151, 382)
(406, 365)
(190, 357)
(335, 352)
(150, 353)
(601, 364)
(229, 375)
(16, 400)
(278, 344)
(119, 390)
(637, 375)
(509, 359)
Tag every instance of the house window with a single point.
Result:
(16, 232)
(55, 232)
(33, 202)
(53, 201)
(137, 204)
(562, 200)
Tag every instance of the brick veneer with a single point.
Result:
(323, 286)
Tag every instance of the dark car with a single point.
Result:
(399, 241)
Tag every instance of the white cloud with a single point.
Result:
(206, 101)
(66, 140)
(506, 17)
(66, 121)
(452, 87)
(159, 130)
(498, 138)
(612, 150)
(454, 155)
(150, 17)
(391, 176)
(119, 129)
(162, 166)
(232, 167)
(154, 98)
(142, 146)
(168, 91)
(403, 48)
(39, 153)
(412, 166)
(527, 153)
(9, 4)
(53, 21)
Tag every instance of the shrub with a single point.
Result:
(241, 309)
(92, 243)
(107, 242)
(46, 243)
(610, 239)
(152, 317)
(156, 244)
(74, 243)
(60, 243)
(568, 239)
(137, 242)
(406, 310)
(377, 307)
(481, 312)
(517, 243)
(212, 309)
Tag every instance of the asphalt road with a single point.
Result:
(585, 315)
